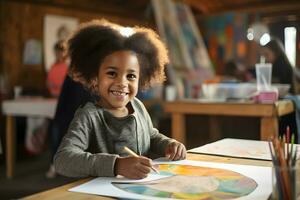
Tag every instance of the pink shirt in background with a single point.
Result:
(56, 77)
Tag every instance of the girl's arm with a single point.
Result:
(161, 144)
(72, 158)
(158, 141)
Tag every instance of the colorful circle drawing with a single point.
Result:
(193, 182)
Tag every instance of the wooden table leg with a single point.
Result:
(178, 127)
(214, 129)
(10, 146)
(268, 128)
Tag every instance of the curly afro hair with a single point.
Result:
(95, 40)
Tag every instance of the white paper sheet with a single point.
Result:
(238, 148)
(103, 186)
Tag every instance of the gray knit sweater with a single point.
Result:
(95, 139)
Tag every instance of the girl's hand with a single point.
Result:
(133, 167)
(175, 151)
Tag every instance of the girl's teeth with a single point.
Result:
(119, 93)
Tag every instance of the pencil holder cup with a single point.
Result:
(286, 183)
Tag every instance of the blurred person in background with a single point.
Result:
(234, 73)
(283, 73)
(58, 70)
(282, 70)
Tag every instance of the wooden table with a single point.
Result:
(268, 114)
(39, 107)
(63, 193)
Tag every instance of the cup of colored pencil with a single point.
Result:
(285, 181)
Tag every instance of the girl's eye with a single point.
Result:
(111, 74)
(131, 76)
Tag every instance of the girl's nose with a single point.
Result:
(122, 81)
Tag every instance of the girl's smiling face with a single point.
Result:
(118, 80)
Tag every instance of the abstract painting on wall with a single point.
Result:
(187, 51)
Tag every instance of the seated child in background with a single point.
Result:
(235, 73)
(114, 66)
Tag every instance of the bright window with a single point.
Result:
(290, 44)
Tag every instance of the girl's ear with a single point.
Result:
(94, 84)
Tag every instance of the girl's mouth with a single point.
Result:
(119, 93)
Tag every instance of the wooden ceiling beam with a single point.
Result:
(212, 7)
(116, 7)
(263, 7)
(138, 8)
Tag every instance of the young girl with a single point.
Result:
(114, 66)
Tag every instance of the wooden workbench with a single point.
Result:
(267, 112)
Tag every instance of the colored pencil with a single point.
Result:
(292, 148)
(130, 152)
(287, 142)
(284, 160)
(283, 171)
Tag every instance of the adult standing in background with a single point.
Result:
(36, 130)
(282, 70)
